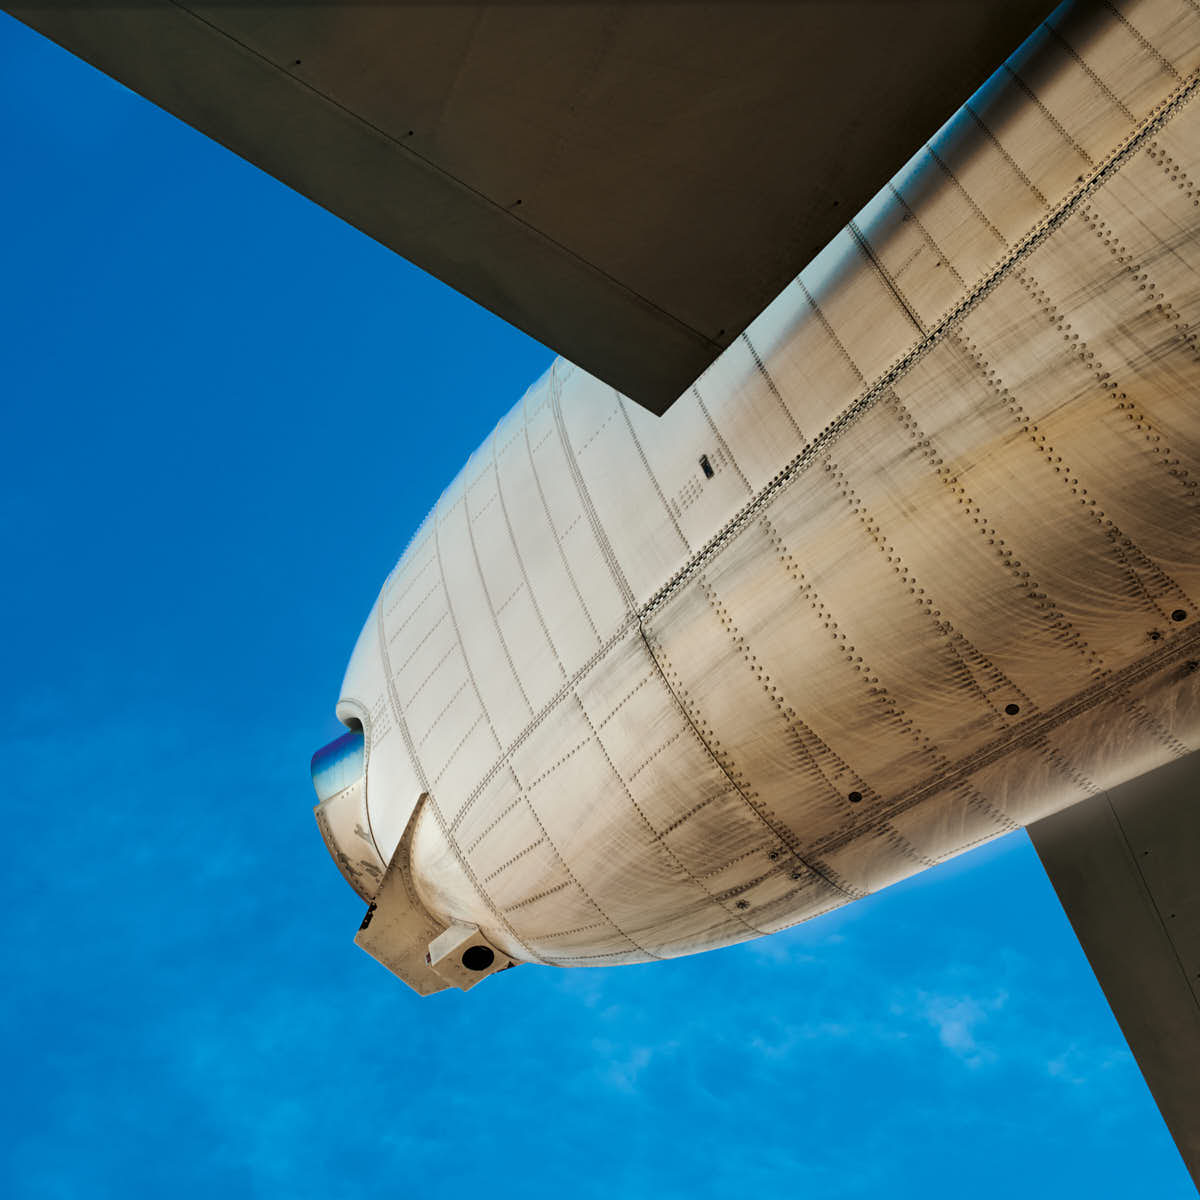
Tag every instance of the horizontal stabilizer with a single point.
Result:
(1126, 866)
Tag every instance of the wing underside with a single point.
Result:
(1125, 866)
(629, 183)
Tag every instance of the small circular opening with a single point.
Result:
(1179, 615)
(1012, 709)
(478, 958)
(854, 797)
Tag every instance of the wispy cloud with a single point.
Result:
(960, 1020)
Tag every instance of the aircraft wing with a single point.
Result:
(1124, 865)
(628, 182)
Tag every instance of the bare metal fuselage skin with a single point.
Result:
(913, 565)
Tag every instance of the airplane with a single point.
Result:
(823, 554)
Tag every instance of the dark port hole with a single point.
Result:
(1012, 709)
(854, 797)
(478, 958)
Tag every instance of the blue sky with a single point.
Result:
(225, 412)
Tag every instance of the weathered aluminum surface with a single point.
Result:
(944, 579)
(338, 772)
(397, 930)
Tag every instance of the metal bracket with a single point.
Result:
(398, 929)
(463, 956)
(400, 932)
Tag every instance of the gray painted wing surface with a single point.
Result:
(630, 183)
(1124, 864)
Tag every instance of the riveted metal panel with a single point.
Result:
(964, 594)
